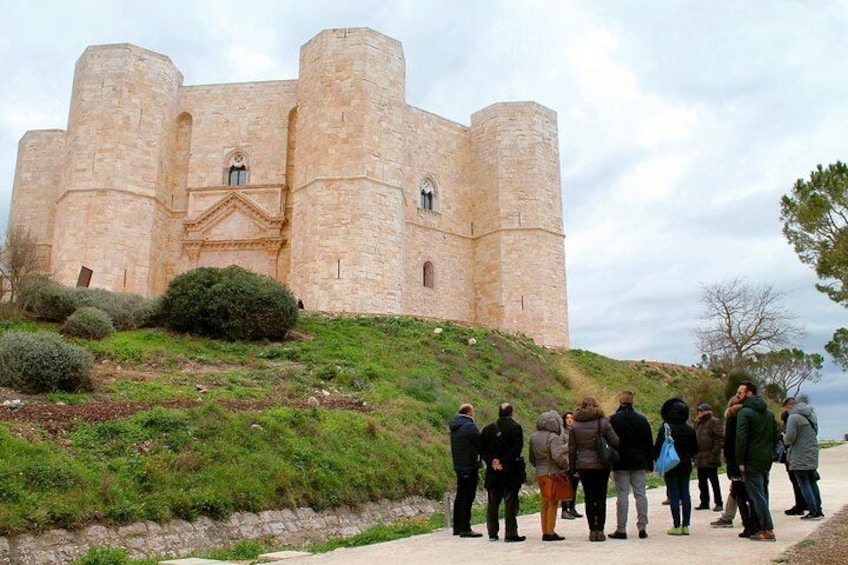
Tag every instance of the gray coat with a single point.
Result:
(801, 431)
(548, 453)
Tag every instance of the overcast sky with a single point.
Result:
(681, 124)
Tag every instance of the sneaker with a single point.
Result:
(702, 507)
(678, 531)
(795, 511)
(567, 515)
(722, 523)
(618, 535)
(719, 507)
(813, 516)
(643, 534)
(685, 530)
(515, 539)
(763, 535)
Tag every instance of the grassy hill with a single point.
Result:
(348, 410)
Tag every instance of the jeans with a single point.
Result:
(510, 500)
(756, 483)
(466, 490)
(708, 475)
(800, 501)
(624, 480)
(808, 482)
(595, 496)
(677, 486)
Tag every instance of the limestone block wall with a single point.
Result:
(439, 149)
(252, 117)
(347, 228)
(120, 142)
(37, 185)
(520, 249)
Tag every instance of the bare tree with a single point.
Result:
(741, 320)
(19, 257)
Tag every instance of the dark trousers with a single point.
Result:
(757, 483)
(466, 490)
(709, 475)
(595, 483)
(800, 502)
(677, 486)
(750, 522)
(808, 482)
(510, 500)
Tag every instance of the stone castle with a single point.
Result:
(330, 183)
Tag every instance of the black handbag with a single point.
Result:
(607, 454)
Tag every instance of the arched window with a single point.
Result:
(427, 189)
(237, 170)
(429, 275)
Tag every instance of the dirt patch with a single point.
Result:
(828, 544)
(57, 419)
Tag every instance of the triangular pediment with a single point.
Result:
(235, 216)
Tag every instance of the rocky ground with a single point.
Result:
(828, 544)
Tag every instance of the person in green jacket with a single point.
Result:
(756, 433)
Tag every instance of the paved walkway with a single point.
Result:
(719, 545)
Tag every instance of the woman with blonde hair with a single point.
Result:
(549, 455)
(589, 423)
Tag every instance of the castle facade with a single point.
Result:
(330, 183)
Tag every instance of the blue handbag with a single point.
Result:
(668, 459)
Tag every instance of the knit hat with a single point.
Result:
(704, 407)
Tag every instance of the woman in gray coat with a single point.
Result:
(802, 427)
(549, 455)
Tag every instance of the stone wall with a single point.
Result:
(179, 538)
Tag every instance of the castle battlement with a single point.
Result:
(330, 183)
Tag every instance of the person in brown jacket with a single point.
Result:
(589, 422)
(710, 434)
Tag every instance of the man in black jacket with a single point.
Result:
(465, 450)
(635, 447)
(501, 445)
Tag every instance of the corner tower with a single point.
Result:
(347, 198)
(119, 140)
(519, 253)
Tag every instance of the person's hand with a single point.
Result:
(496, 465)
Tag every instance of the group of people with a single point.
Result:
(573, 447)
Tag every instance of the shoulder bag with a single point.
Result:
(607, 454)
(668, 459)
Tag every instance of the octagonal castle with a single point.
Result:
(330, 183)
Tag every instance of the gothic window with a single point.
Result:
(237, 170)
(429, 275)
(427, 190)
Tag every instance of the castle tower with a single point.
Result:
(36, 188)
(120, 137)
(347, 202)
(519, 255)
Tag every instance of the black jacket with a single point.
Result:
(503, 440)
(465, 443)
(675, 413)
(635, 439)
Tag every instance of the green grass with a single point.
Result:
(162, 463)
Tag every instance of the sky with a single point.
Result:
(681, 124)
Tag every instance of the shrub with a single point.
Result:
(43, 362)
(120, 306)
(147, 313)
(232, 303)
(45, 299)
(88, 323)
